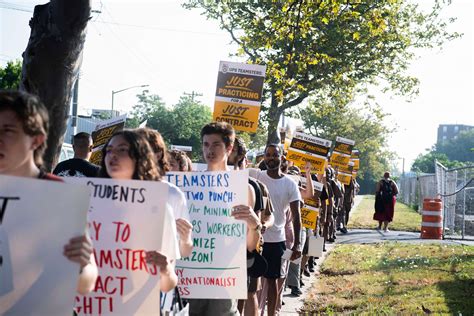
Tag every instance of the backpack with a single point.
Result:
(386, 190)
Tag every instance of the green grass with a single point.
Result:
(394, 279)
(404, 219)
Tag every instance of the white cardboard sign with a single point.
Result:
(37, 219)
(217, 267)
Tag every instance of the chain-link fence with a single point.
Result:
(413, 189)
(456, 189)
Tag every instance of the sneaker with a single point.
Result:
(306, 272)
(331, 240)
(311, 269)
(296, 291)
(386, 230)
(344, 230)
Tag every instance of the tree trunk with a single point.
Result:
(274, 114)
(51, 63)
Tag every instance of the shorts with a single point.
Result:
(253, 284)
(212, 307)
(272, 252)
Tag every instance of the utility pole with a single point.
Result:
(193, 94)
(74, 108)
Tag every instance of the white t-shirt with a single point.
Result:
(282, 191)
(175, 208)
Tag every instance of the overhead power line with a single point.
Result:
(15, 7)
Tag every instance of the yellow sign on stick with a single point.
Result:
(342, 152)
(306, 148)
(239, 94)
(310, 213)
(101, 135)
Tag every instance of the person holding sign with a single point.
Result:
(217, 143)
(284, 194)
(24, 126)
(176, 198)
(127, 155)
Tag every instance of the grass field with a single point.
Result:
(404, 219)
(395, 279)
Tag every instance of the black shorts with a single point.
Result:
(272, 252)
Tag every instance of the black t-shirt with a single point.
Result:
(258, 197)
(76, 167)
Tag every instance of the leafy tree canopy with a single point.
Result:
(336, 45)
(364, 124)
(461, 148)
(10, 75)
(180, 124)
(425, 163)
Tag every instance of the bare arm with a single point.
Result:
(79, 250)
(295, 213)
(168, 277)
(87, 277)
(184, 229)
(308, 192)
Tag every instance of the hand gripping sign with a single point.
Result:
(126, 219)
(239, 94)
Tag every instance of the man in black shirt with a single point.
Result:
(79, 166)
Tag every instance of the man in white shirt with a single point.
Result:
(284, 194)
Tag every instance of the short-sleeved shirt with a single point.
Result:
(76, 167)
(282, 191)
(175, 208)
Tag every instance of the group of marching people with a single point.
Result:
(276, 195)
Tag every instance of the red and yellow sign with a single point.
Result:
(306, 148)
(238, 95)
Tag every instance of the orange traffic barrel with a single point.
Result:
(432, 219)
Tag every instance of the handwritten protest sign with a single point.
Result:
(310, 213)
(103, 132)
(217, 267)
(126, 219)
(239, 95)
(37, 218)
(342, 152)
(304, 148)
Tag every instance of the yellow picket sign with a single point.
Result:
(238, 95)
(318, 163)
(307, 148)
(356, 162)
(345, 178)
(339, 159)
(242, 117)
(309, 216)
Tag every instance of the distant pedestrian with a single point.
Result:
(79, 165)
(385, 198)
